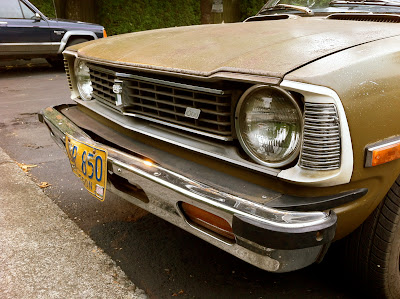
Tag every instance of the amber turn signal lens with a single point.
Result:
(208, 220)
(104, 33)
(386, 154)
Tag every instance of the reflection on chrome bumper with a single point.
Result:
(271, 239)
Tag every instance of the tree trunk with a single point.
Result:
(81, 10)
(205, 7)
(60, 8)
(219, 11)
(231, 11)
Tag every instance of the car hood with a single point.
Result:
(267, 48)
(71, 24)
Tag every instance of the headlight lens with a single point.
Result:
(83, 82)
(269, 125)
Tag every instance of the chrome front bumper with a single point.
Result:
(271, 239)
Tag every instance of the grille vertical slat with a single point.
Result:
(321, 148)
(66, 67)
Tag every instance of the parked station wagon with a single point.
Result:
(269, 139)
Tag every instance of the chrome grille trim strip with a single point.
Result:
(158, 81)
(172, 84)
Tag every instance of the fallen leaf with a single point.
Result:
(179, 293)
(26, 167)
(44, 185)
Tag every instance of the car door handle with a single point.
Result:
(3, 23)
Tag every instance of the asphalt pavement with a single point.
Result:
(43, 254)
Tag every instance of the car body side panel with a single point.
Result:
(19, 36)
(24, 30)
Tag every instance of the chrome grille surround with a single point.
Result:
(321, 149)
(166, 101)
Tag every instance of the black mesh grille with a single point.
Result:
(102, 84)
(166, 100)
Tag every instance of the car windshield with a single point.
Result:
(330, 6)
(305, 3)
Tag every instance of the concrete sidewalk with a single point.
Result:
(43, 254)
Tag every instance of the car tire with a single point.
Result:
(373, 250)
(56, 62)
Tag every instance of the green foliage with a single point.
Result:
(45, 6)
(249, 8)
(121, 16)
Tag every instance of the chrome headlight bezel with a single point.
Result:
(81, 79)
(239, 109)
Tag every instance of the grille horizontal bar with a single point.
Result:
(321, 148)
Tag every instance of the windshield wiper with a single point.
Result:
(304, 9)
(370, 2)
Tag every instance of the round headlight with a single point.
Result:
(83, 82)
(269, 125)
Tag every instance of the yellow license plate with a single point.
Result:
(89, 163)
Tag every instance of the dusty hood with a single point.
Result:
(271, 48)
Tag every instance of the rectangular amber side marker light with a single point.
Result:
(208, 220)
(383, 152)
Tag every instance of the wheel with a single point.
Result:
(56, 62)
(373, 250)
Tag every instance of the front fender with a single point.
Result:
(74, 33)
(366, 79)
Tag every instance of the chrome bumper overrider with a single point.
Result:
(271, 239)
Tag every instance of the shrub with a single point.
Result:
(121, 16)
(45, 6)
(249, 8)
